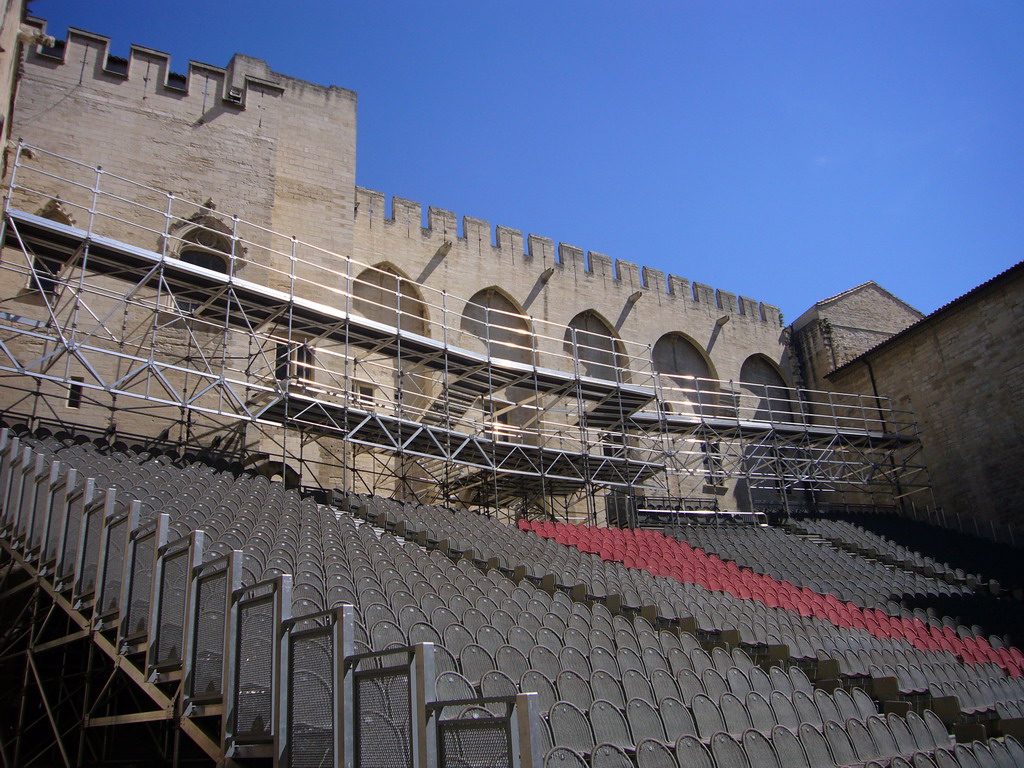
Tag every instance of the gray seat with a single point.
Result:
(494, 684)
(609, 721)
(707, 716)
(840, 744)
(544, 660)
(815, 747)
(676, 718)
(610, 756)
(456, 637)
(570, 727)
(564, 757)
(636, 685)
(935, 726)
(511, 661)
(788, 748)
(735, 715)
(728, 752)
(571, 658)
(827, 706)
(451, 686)
(692, 753)
(651, 753)
(923, 737)
(762, 717)
(863, 741)
(689, 685)
(883, 737)
(644, 720)
(664, 685)
(759, 750)
(535, 681)
(474, 661)
(807, 710)
(572, 687)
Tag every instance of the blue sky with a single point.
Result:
(780, 150)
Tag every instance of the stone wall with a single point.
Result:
(838, 329)
(962, 373)
(640, 305)
(272, 150)
(10, 59)
(243, 143)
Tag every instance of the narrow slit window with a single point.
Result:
(75, 392)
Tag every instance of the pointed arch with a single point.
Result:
(385, 294)
(204, 241)
(590, 338)
(687, 372)
(765, 394)
(493, 317)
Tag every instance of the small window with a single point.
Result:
(294, 361)
(206, 247)
(43, 277)
(363, 395)
(75, 392)
(211, 261)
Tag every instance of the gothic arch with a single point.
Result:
(593, 341)
(494, 318)
(203, 241)
(765, 395)
(383, 293)
(682, 364)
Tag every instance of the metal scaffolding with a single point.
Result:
(139, 311)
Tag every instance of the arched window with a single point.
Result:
(492, 317)
(765, 396)
(687, 374)
(383, 294)
(205, 246)
(593, 342)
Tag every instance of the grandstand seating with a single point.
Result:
(390, 633)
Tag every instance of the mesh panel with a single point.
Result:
(14, 494)
(67, 554)
(312, 701)
(208, 656)
(42, 506)
(59, 503)
(482, 742)
(6, 463)
(254, 709)
(383, 731)
(172, 609)
(113, 565)
(28, 496)
(136, 620)
(91, 554)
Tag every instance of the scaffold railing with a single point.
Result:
(142, 301)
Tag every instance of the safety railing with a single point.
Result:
(291, 357)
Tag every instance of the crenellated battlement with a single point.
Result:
(543, 253)
(232, 87)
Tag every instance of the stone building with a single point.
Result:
(838, 329)
(961, 370)
(279, 314)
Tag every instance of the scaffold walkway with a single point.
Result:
(284, 337)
